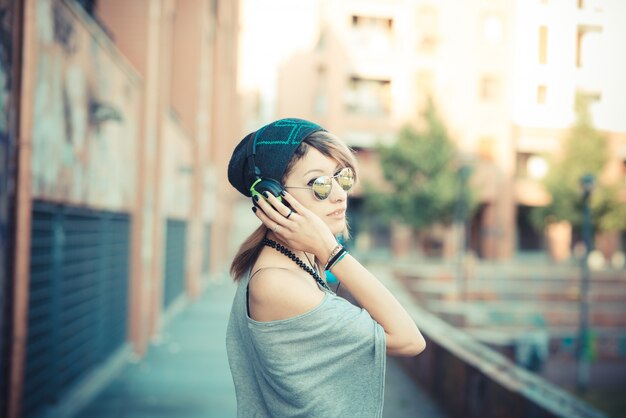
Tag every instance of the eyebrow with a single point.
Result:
(320, 171)
(313, 171)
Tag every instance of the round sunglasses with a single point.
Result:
(323, 185)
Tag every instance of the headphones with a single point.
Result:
(260, 184)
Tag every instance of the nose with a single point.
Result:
(337, 194)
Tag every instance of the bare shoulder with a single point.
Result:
(278, 293)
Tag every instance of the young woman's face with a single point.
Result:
(332, 210)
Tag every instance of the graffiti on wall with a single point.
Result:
(86, 108)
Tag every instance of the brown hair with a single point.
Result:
(328, 145)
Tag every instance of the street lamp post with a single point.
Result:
(461, 215)
(587, 183)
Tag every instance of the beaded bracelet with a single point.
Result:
(332, 255)
(342, 252)
(339, 258)
(332, 259)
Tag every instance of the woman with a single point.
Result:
(295, 348)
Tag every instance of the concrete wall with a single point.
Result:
(177, 172)
(131, 109)
(86, 114)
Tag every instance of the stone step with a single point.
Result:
(485, 272)
(551, 314)
(601, 292)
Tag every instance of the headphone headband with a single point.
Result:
(254, 172)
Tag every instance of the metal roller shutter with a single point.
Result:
(78, 298)
(175, 243)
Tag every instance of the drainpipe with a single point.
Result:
(25, 13)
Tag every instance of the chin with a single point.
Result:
(337, 227)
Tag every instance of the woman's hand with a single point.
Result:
(301, 230)
(305, 231)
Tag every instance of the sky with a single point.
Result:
(272, 30)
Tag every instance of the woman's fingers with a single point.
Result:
(278, 205)
(273, 209)
(301, 231)
(269, 222)
(263, 217)
(297, 207)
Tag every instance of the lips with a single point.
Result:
(337, 213)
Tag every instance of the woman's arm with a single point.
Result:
(305, 231)
(403, 336)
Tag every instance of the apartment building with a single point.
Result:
(565, 47)
(503, 75)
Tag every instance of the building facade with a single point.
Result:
(565, 48)
(127, 113)
(503, 75)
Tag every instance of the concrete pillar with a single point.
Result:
(225, 129)
(137, 30)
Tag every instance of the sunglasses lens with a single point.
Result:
(322, 186)
(345, 178)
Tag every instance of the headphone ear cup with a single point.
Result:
(267, 185)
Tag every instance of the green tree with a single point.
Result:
(421, 176)
(585, 151)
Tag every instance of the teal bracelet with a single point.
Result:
(338, 260)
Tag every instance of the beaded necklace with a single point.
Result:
(286, 251)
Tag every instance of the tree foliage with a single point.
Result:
(419, 169)
(585, 151)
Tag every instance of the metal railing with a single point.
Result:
(471, 380)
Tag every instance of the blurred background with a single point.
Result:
(491, 138)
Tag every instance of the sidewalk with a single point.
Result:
(186, 374)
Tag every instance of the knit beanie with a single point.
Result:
(275, 145)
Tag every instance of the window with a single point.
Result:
(374, 33)
(590, 4)
(486, 148)
(424, 82)
(532, 166)
(489, 86)
(321, 41)
(542, 94)
(591, 97)
(543, 44)
(377, 23)
(256, 102)
(427, 29)
(520, 164)
(320, 101)
(587, 45)
(368, 96)
(492, 28)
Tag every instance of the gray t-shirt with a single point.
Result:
(327, 362)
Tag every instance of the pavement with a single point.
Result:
(185, 373)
